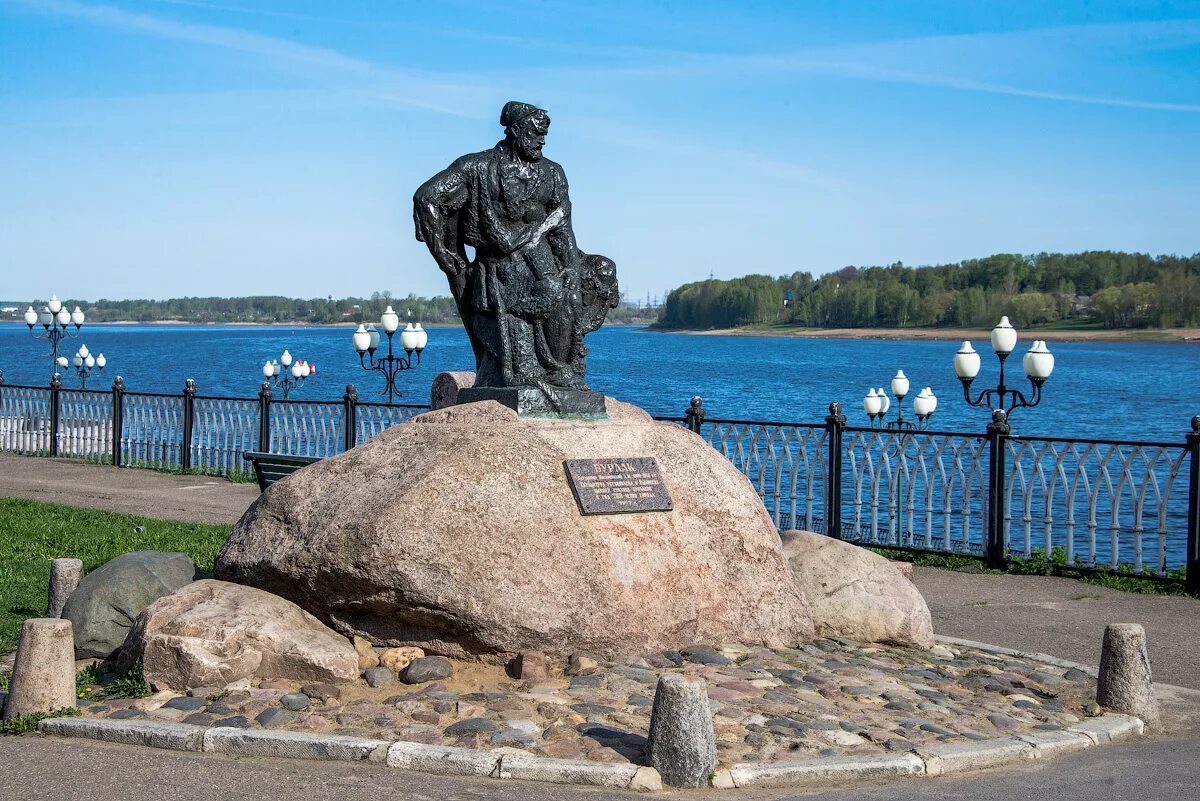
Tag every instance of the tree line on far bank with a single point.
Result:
(1114, 289)
(276, 309)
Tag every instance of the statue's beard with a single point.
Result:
(528, 151)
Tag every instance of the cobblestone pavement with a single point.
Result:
(827, 698)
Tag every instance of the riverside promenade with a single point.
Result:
(1058, 616)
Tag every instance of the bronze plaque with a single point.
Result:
(616, 485)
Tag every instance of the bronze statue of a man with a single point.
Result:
(529, 295)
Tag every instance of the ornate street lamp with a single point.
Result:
(1038, 364)
(84, 363)
(876, 405)
(285, 374)
(412, 341)
(56, 323)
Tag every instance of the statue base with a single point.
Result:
(533, 403)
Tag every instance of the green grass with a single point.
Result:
(33, 533)
(1038, 564)
(24, 724)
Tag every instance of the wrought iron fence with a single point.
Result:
(1124, 506)
(1097, 504)
(185, 431)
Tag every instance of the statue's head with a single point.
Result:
(525, 128)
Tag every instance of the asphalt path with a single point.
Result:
(195, 499)
(34, 768)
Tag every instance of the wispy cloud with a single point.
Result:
(391, 85)
(967, 62)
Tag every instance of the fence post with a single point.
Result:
(264, 417)
(694, 416)
(118, 418)
(55, 386)
(835, 424)
(350, 417)
(1193, 513)
(189, 414)
(997, 436)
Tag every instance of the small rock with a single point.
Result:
(380, 676)
(200, 719)
(205, 692)
(271, 718)
(367, 658)
(296, 702)
(511, 737)
(531, 666)
(399, 658)
(321, 692)
(275, 684)
(1075, 674)
(426, 716)
(1003, 722)
(592, 681)
(187, 704)
(470, 726)
(593, 709)
(126, 714)
(704, 655)
(237, 722)
(581, 663)
(941, 652)
(428, 668)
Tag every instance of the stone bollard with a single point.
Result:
(1125, 684)
(64, 578)
(444, 390)
(43, 677)
(682, 746)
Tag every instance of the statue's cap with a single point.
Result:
(514, 111)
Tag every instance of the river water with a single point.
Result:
(1122, 390)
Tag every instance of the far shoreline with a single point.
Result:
(1158, 335)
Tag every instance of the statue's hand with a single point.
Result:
(450, 262)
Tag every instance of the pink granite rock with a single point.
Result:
(459, 532)
(856, 594)
(213, 632)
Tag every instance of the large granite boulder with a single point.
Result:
(106, 602)
(211, 633)
(458, 532)
(856, 594)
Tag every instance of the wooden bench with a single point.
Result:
(270, 467)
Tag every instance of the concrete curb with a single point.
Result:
(171, 736)
(947, 758)
(292, 745)
(933, 760)
(819, 772)
(1109, 728)
(996, 649)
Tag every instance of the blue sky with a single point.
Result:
(182, 147)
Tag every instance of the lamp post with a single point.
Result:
(876, 404)
(84, 363)
(412, 341)
(1038, 364)
(56, 322)
(285, 374)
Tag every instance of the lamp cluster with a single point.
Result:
(413, 340)
(285, 373)
(877, 403)
(1038, 364)
(84, 363)
(57, 324)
